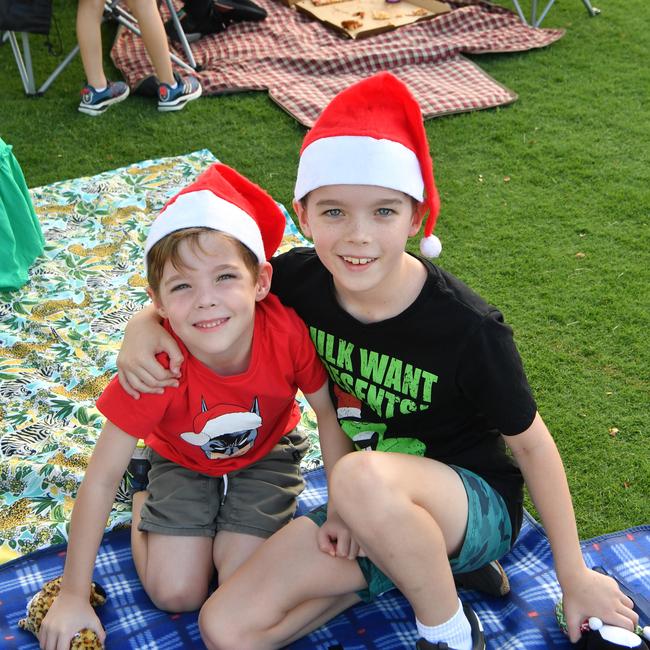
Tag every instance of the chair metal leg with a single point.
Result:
(25, 68)
(26, 75)
(536, 22)
(27, 53)
(520, 12)
(593, 11)
(59, 69)
(181, 34)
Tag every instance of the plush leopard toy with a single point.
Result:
(40, 604)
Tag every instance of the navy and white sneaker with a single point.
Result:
(174, 99)
(95, 102)
(478, 640)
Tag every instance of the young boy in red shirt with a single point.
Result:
(225, 452)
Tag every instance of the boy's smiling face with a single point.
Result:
(360, 233)
(210, 301)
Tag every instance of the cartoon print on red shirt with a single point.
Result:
(225, 430)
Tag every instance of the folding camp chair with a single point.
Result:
(24, 62)
(112, 11)
(536, 22)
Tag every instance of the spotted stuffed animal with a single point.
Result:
(40, 604)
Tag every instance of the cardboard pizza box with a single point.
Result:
(363, 18)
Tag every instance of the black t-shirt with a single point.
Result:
(442, 379)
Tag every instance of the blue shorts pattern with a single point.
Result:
(488, 536)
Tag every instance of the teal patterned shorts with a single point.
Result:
(488, 536)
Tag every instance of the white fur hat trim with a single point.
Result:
(205, 209)
(359, 160)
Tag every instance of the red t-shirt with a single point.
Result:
(214, 424)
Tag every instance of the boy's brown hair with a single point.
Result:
(168, 249)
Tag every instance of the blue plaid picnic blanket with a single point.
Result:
(522, 620)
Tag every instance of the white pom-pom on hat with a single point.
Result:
(430, 246)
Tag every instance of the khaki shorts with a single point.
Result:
(258, 499)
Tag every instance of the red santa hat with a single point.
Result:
(222, 199)
(372, 133)
(347, 405)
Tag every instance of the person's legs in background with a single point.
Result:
(174, 90)
(89, 37)
(154, 38)
(99, 93)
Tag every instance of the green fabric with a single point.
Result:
(21, 239)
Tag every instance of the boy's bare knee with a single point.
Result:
(219, 630)
(356, 476)
(171, 597)
(362, 490)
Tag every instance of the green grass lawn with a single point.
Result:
(545, 210)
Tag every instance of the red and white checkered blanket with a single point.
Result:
(303, 64)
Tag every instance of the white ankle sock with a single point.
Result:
(456, 632)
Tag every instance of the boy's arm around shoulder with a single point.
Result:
(585, 592)
(71, 610)
(138, 369)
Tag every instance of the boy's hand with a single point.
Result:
(68, 615)
(138, 370)
(334, 538)
(589, 593)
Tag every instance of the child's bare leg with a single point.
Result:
(138, 537)
(89, 37)
(408, 514)
(231, 550)
(154, 38)
(287, 588)
(175, 571)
